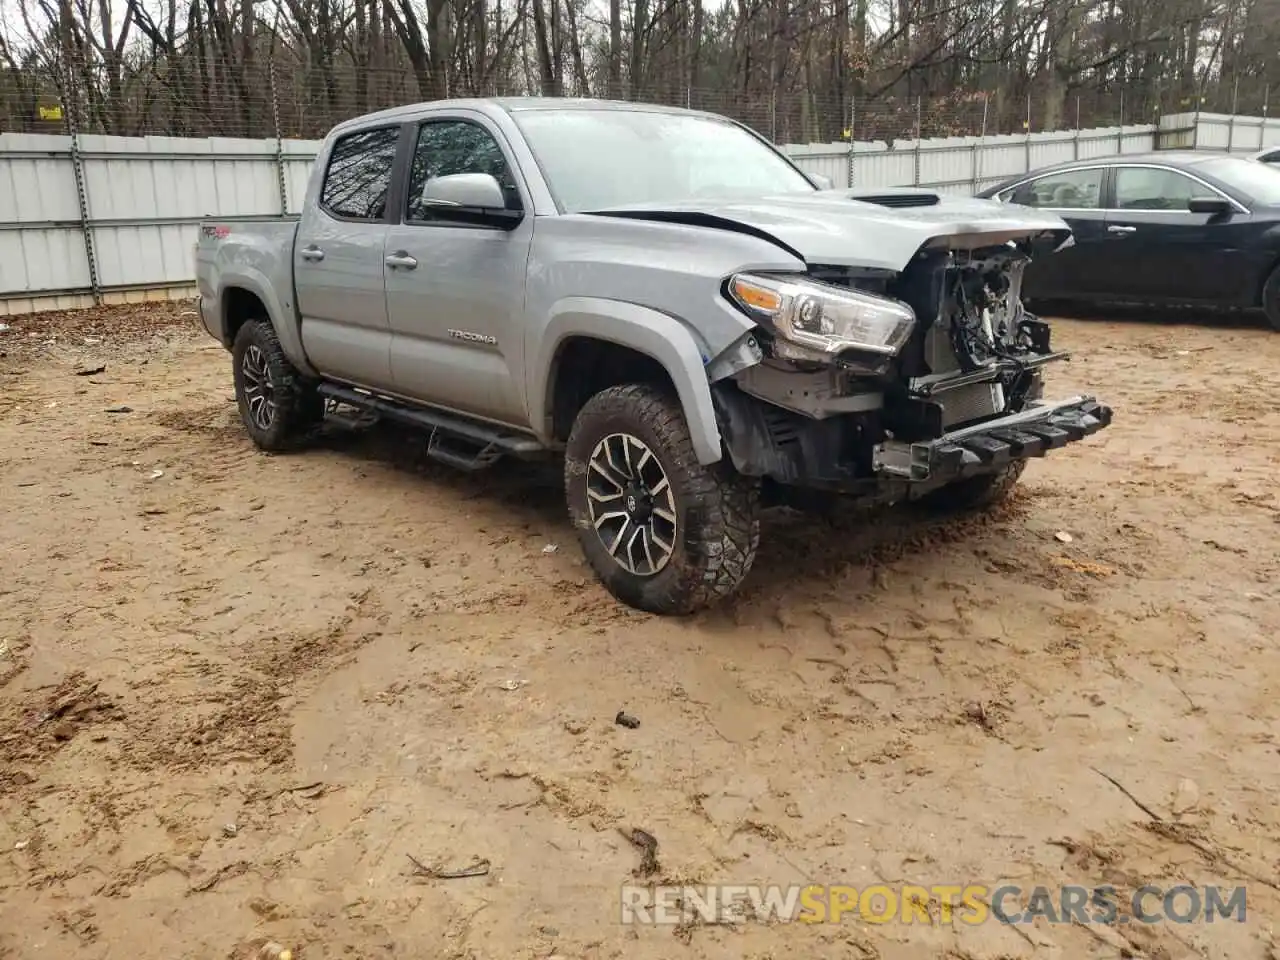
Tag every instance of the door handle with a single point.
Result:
(401, 259)
(314, 254)
(1119, 229)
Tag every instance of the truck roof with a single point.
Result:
(511, 105)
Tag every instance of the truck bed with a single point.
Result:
(251, 253)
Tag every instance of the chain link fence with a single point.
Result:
(267, 97)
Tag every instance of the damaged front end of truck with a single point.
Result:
(891, 383)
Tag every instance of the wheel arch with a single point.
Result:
(1270, 269)
(592, 343)
(239, 306)
(245, 296)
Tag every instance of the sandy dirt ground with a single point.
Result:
(239, 691)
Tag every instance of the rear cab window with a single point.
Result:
(358, 177)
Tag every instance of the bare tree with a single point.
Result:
(792, 68)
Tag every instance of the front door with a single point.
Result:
(1076, 196)
(1159, 249)
(455, 292)
(338, 262)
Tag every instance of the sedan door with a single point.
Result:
(1076, 196)
(455, 291)
(1159, 250)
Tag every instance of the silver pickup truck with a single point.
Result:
(660, 296)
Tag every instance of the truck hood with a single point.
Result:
(882, 229)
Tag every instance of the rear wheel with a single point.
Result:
(975, 493)
(278, 408)
(663, 532)
(1271, 299)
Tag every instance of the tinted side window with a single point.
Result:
(359, 174)
(1069, 190)
(1143, 188)
(446, 147)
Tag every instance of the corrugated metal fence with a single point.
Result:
(111, 219)
(964, 165)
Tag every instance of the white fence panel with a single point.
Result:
(830, 160)
(1218, 132)
(298, 156)
(41, 244)
(964, 165)
(143, 196)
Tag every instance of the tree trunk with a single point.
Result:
(615, 49)
(546, 71)
(639, 30)
(575, 49)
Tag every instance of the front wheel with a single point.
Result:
(1271, 299)
(663, 532)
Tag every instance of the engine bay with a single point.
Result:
(984, 314)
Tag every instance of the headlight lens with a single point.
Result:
(823, 318)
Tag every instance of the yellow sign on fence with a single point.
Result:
(50, 113)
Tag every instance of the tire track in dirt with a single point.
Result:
(309, 666)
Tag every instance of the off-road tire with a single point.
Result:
(298, 409)
(717, 510)
(1271, 299)
(975, 494)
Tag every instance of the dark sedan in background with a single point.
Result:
(1174, 227)
(1271, 155)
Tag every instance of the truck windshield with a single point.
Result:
(596, 159)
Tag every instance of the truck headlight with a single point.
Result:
(825, 319)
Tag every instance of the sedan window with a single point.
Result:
(1258, 182)
(1068, 190)
(1150, 188)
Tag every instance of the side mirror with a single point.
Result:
(471, 198)
(1210, 205)
(820, 181)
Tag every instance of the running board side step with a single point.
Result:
(461, 443)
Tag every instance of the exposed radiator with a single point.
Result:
(971, 403)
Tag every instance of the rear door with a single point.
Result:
(1159, 249)
(455, 291)
(1076, 196)
(338, 261)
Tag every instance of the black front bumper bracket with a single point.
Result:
(987, 446)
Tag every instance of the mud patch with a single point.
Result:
(277, 678)
(38, 725)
